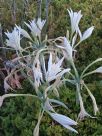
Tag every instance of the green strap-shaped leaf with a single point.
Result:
(58, 102)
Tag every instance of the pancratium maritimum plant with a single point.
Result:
(68, 46)
(42, 64)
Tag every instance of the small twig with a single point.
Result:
(2, 45)
(38, 12)
(13, 11)
(47, 9)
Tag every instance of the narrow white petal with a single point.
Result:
(68, 47)
(50, 62)
(28, 25)
(44, 67)
(25, 34)
(75, 19)
(74, 39)
(87, 33)
(79, 16)
(60, 46)
(70, 128)
(62, 72)
(79, 32)
(40, 23)
(62, 119)
(59, 63)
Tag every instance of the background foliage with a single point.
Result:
(18, 116)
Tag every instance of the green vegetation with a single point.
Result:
(18, 116)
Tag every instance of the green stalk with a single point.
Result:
(36, 129)
(77, 44)
(77, 80)
(78, 94)
(87, 74)
(15, 95)
(3, 97)
(93, 99)
(76, 72)
(97, 60)
(80, 97)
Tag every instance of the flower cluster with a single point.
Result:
(43, 66)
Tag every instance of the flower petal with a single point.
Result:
(75, 19)
(62, 119)
(24, 33)
(70, 128)
(87, 33)
(14, 39)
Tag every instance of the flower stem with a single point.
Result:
(78, 86)
(14, 95)
(80, 97)
(76, 72)
(36, 129)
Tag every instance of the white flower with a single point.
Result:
(67, 48)
(86, 34)
(40, 23)
(54, 69)
(23, 32)
(36, 26)
(37, 73)
(14, 39)
(75, 19)
(64, 121)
